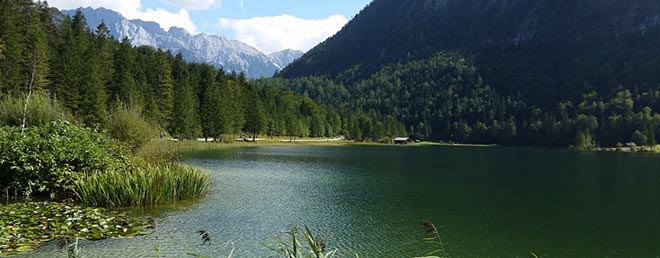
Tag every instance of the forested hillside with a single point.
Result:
(542, 73)
(443, 98)
(546, 51)
(90, 74)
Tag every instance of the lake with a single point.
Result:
(486, 202)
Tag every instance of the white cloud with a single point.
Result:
(271, 34)
(195, 4)
(132, 9)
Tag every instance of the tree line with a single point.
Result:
(444, 98)
(439, 98)
(90, 74)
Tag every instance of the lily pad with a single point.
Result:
(23, 226)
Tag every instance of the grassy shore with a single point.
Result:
(648, 149)
(171, 150)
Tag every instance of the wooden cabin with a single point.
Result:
(402, 140)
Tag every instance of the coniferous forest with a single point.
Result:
(537, 73)
(446, 96)
(91, 74)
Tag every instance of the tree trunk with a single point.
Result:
(30, 84)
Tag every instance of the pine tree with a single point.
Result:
(184, 119)
(255, 115)
(35, 54)
(223, 117)
(72, 70)
(160, 82)
(123, 86)
(236, 106)
(208, 107)
(13, 38)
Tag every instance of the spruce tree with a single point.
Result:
(236, 103)
(13, 39)
(123, 86)
(208, 108)
(184, 117)
(255, 115)
(160, 82)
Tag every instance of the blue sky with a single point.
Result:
(265, 24)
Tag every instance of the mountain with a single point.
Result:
(231, 55)
(579, 73)
(542, 50)
(285, 57)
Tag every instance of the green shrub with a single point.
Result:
(145, 186)
(386, 140)
(41, 110)
(46, 161)
(127, 125)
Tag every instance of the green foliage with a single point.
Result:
(47, 160)
(508, 42)
(25, 225)
(143, 186)
(41, 110)
(255, 115)
(185, 121)
(87, 72)
(443, 98)
(127, 125)
(513, 87)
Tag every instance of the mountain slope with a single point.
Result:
(285, 57)
(542, 50)
(232, 55)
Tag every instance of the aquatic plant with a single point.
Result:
(25, 225)
(293, 248)
(70, 246)
(433, 230)
(206, 240)
(148, 185)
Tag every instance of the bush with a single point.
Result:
(145, 186)
(386, 140)
(41, 110)
(127, 125)
(46, 161)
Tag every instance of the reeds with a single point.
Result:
(315, 247)
(433, 230)
(145, 186)
(41, 110)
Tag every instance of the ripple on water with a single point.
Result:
(486, 203)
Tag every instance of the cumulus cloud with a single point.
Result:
(132, 9)
(195, 4)
(271, 34)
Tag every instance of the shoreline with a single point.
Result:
(196, 145)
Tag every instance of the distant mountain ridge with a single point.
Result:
(285, 57)
(231, 55)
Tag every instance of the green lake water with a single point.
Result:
(486, 202)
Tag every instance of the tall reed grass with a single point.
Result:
(149, 185)
(42, 110)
